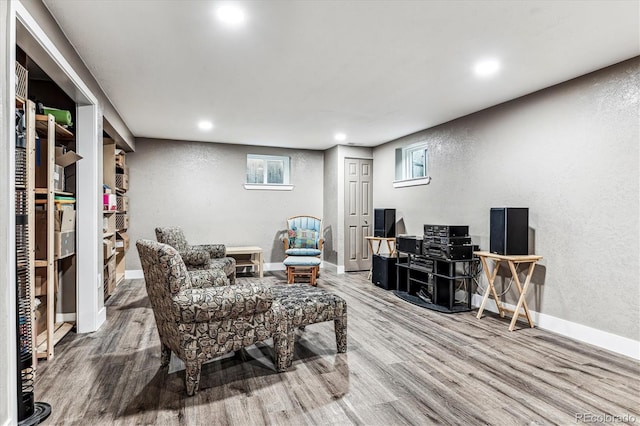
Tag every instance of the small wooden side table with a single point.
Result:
(372, 240)
(513, 261)
(255, 257)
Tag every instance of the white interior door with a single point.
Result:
(358, 204)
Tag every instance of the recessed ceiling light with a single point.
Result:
(205, 125)
(487, 67)
(340, 137)
(230, 14)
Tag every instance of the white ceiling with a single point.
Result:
(297, 72)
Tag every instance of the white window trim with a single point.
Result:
(412, 182)
(404, 166)
(268, 187)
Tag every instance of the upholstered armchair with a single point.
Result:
(304, 236)
(200, 317)
(203, 256)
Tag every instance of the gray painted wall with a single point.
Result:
(570, 154)
(199, 186)
(330, 206)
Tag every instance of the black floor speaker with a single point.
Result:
(384, 223)
(509, 230)
(384, 271)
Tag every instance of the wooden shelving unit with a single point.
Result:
(122, 215)
(115, 222)
(109, 219)
(42, 165)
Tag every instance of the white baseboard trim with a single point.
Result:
(133, 274)
(68, 317)
(338, 269)
(593, 336)
(274, 267)
(329, 266)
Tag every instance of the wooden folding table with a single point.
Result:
(376, 250)
(513, 261)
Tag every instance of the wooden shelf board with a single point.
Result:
(42, 124)
(109, 211)
(60, 330)
(40, 263)
(108, 234)
(119, 279)
(44, 191)
(70, 194)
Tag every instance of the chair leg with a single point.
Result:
(283, 349)
(289, 274)
(165, 355)
(340, 325)
(192, 376)
(314, 274)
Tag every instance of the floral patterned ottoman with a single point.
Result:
(307, 305)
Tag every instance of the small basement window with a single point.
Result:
(268, 172)
(412, 163)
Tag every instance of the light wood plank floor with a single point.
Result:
(404, 365)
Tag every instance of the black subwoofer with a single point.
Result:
(509, 230)
(384, 272)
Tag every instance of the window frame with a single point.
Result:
(405, 166)
(265, 184)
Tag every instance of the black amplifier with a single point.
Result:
(445, 231)
(409, 244)
(456, 241)
(422, 262)
(450, 252)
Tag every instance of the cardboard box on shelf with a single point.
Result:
(120, 158)
(64, 244)
(65, 219)
(58, 178)
(109, 202)
(122, 241)
(63, 158)
(66, 158)
(110, 275)
(109, 248)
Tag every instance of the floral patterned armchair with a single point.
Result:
(201, 256)
(304, 236)
(200, 316)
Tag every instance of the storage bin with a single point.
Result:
(123, 203)
(122, 221)
(122, 181)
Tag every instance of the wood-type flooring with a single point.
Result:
(404, 365)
